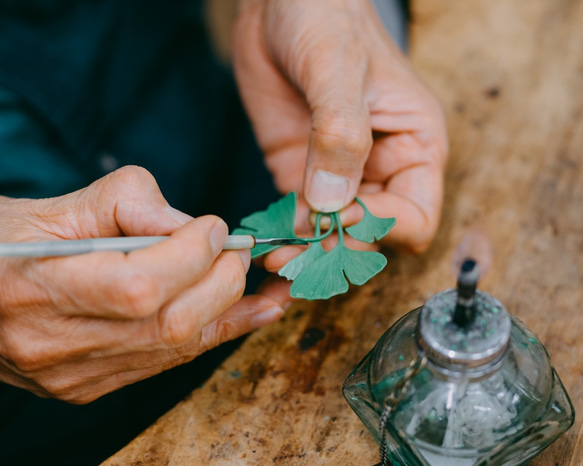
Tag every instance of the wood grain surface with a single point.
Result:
(509, 74)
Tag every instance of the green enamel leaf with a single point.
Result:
(360, 266)
(316, 273)
(371, 227)
(277, 221)
(326, 275)
(295, 266)
(323, 279)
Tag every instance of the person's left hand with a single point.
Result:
(339, 113)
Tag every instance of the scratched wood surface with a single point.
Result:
(510, 76)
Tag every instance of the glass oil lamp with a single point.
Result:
(459, 382)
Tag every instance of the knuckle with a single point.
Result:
(58, 387)
(188, 351)
(344, 136)
(131, 175)
(70, 388)
(235, 279)
(176, 330)
(80, 395)
(136, 296)
(26, 358)
(24, 361)
(225, 331)
(76, 398)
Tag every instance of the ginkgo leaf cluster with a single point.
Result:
(317, 273)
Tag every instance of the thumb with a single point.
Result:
(125, 202)
(128, 201)
(340, 140)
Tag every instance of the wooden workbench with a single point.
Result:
(510, 76)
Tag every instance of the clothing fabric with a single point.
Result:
(87, 86)
(110, 83)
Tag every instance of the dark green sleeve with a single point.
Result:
(31, 161)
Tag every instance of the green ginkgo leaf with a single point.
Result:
(323, 279)
(360, 266)
(327, 275)
(316, 273)
(371, 227)
(277, 221)
(295, 266)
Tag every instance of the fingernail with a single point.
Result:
(245, 257)
(266, 317)
(327, 192)
(219, 236)
(180, 217)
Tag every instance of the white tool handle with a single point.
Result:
(83, 246)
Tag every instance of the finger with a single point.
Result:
(277, 259)
(266, 93)
(125, 202)
(248, 314)
(414, 198)
(276, 288)
(394, 153)
(48, 346)
(68, 380)
(116, 285)
(198, 306)
(341, 135)
(176, 323)
(83, 382)
(140, 207)
(8, 376)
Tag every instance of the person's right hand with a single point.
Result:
(75, 328)
(339, 113)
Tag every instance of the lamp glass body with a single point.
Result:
(500, 412)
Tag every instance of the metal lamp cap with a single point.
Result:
(463, 348)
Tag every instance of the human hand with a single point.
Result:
(78, 327)
(339, 112)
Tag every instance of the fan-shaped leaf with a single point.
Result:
(360, 266)
(322, 279)
(326, 276)
(371, 227)
(277, 221)
(295, 266)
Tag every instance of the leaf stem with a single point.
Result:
(336, 217)
(317, 238)
(362, 204)
(317, 225)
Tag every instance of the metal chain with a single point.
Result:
(398, 392)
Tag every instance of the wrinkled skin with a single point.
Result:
(78, 327)
(327, 89)
(338, 112)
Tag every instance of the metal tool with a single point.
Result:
(122, 244)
